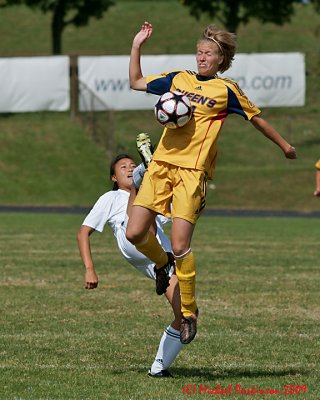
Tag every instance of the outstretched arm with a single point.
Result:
(137, 80)
(268, 131)
(83, 238)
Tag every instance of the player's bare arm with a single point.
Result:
(272, 134)
(136, 78)
(83, 238)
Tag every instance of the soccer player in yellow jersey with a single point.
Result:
(175, 182)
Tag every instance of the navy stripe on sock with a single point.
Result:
(174, 335)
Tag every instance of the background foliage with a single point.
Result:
(64, 13)
(233, 13)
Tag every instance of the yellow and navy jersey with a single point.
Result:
(212, 99)
(317, 165)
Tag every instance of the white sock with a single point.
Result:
(137, 175)
(168, 350)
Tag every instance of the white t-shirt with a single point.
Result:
(111, 209)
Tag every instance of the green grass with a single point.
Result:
(257, 289)
(49, 158)
(50, 161)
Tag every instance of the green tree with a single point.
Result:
(232, 13)
(64, 13)
(316, 4)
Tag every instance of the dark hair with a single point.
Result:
(113, 164)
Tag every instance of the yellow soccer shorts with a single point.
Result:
(173, 191)
(317, 165)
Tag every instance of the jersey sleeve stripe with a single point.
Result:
(234, 106)
(159, 85)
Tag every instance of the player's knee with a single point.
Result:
(180, 249)
(130, 235)
(133, 236)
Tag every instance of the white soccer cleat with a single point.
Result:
(145, 148)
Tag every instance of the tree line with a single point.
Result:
(230, 13)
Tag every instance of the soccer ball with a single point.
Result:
(173, 110)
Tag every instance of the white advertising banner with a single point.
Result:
(34, 84)
(271, 79)
(268, 79)
(106, 78)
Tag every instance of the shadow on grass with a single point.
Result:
(211, 374)
(208, 373)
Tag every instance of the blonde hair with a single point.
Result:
(226, 42)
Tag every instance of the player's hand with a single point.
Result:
(91, 279)
(290, 153)
(144, 34)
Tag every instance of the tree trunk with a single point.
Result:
(232, 15)
(57, 26)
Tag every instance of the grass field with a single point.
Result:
(258, 294)
(48, 158)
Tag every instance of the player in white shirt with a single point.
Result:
(113, 208)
